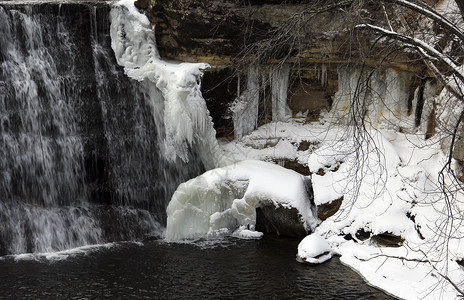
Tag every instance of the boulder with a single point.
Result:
(296, 166)
(387, 239)
(280, 220)
(326, 210)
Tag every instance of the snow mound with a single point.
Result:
(224, 200)
(314, 249)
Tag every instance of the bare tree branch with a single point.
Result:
(439, 19)
(425, 48)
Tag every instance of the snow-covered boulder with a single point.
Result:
(223, 201)
(314, 249)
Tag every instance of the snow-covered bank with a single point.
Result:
(389, 182)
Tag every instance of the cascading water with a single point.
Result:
(82, 155)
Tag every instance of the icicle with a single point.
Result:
(245, 107)
(279, 85)
(238, 84)
(396, 100)
(93, 23)
(323, 75)
(384, 98)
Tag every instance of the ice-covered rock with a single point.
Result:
(223, 200)
(314, 249)
(134, 45)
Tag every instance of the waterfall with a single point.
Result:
(83, 156)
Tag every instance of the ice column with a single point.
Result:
(348, 80)
(395, 101)
(382, 96)
(245, 107)
(279, 85)
(323, 75)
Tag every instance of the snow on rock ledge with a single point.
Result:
(223, 201)
(314, 249)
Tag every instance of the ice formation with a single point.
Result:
(381, 95)
(223, 201)
(323, 75)
(245, 107)
(133, 42)
(279, 76)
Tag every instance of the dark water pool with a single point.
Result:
(234, 269)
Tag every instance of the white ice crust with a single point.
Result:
(224, 200)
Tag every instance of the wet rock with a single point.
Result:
(3, 248)
(460, 262)
(305, 145)
(329, 168)
(326, 210)
(387, 239)
(280, 220)
(219, 88)
(362, 234)
(142, 4)
(320, 172)
(310, 95)
(297, 167)
(232, 33)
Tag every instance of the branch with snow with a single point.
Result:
(436, 17)
(425, 48)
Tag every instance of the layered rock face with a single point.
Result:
(225, 32)
(316, 38)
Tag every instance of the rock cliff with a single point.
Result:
(315, 37)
